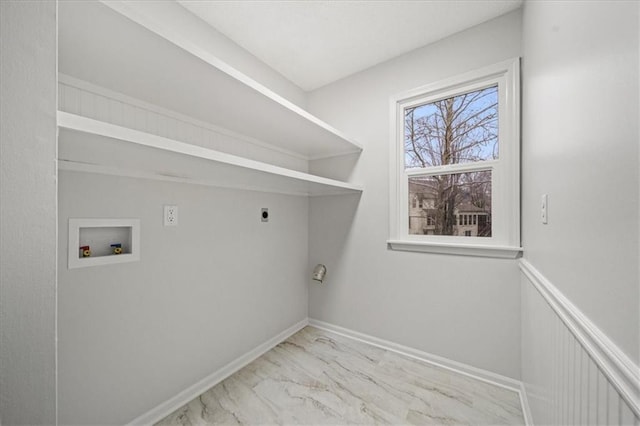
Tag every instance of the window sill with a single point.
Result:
(502, 252)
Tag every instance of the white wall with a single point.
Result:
(133, 335)
(27, 212)
(580, 146)
(183, 22)
(463, 308)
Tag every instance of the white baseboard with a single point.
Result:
(164, 409)
(161, 411)
(457, 367)
(524, 402)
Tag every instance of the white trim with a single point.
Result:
(505, 172)
(524, 402)
(621, 372)
(446, 87)
(169, 406)
(502, 252)
(450, 169)
(56, 173)
(232, 74)
(438, 361)
(95, 127)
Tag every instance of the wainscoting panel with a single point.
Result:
(572, 373)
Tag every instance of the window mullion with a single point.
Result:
(453, 168)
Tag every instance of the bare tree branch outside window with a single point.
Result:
(455, 130)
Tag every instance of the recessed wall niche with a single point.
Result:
(94, 242)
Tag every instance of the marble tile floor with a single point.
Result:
(317, 377)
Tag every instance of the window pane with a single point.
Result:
(461, 129)
(448, 201)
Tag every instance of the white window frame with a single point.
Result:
(505, 171)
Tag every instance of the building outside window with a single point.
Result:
(455, 150)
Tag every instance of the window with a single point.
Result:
(456, 148)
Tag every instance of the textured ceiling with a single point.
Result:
(313, 43)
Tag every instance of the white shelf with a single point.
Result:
(165, 69)
(88, 145)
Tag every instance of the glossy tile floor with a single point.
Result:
(316, 377)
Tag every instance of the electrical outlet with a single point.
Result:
(544, 214)
(170, 215)
(264, 214)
